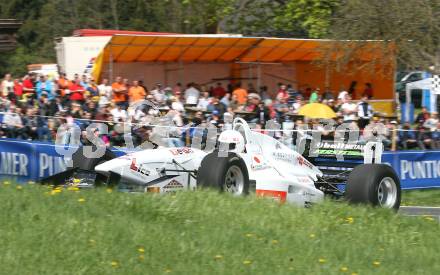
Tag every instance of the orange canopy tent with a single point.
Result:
(235, 51)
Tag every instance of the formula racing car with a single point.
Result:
(246, 161)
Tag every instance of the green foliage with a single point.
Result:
(96, 232)
(313, 16)
(413, 26)
(289, 18)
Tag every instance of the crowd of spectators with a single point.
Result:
(35, 107)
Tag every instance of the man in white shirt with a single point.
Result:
(191, 94)
(105, 92)
(349, 109)
(158, 94)
(7, 85)
(119, 114)
(13, 123)
(204, 101)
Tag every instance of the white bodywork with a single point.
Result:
(277, 171)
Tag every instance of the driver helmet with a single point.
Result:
(233, 140)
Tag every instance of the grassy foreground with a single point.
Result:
(429, 197)
(44, 231)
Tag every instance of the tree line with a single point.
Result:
(413, 26)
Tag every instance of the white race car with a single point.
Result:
(248, 161)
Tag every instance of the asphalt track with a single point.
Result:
(420, 211)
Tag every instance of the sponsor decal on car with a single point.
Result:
(172, 186)
(258, 163)
(139, 168)
(284, 156)
(303, 162)
(181, 151)
(346, 149)
(306, 180)
(276, 195)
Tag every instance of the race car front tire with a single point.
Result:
(374, 184)
(224, 173)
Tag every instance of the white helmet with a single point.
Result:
(234, 141)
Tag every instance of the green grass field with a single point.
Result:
(429, 197)
(43, 231)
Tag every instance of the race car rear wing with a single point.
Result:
(370, 152)
(338, 159)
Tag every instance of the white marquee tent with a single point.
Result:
(424, 84)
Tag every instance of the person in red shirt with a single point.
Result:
(76, 91)
(29, 86)
(368, 90)
(18, 88)
(219, 91)
(282, 93)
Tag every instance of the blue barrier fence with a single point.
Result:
(31, 161)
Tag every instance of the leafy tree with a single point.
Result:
(285, 18)
(410, 28)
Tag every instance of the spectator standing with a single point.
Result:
(177, 89)
(282, 93)
(76, 91)
(105, 92)
(119, 114)
(240, 94)
(349, 110)
(219, 91)
(92, 88)
(13, 123)
(158, 94)
(191, 94)
(119, 90)
(84, 83)
(217, 106)
(63, 84)
(136, 93)
(422, 117)
(45, 86)
(204, 101)
(176, 103)
(226, 99)
(327, 95)
(297, 104)
(7, 86)
(292, 94)
(314, 96)
(18, 88)
(425, 139)
(29, 86)
(365, 112)
(352, 89)
(368, 91)
(30, 124)
(281, 108)
(264, 93)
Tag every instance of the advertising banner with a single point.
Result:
(30, 161)
(416, 169)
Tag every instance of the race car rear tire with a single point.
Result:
(226, 174)
(374, 184)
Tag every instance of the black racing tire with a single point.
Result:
(226, 174)
(374, 184)
(113, 180)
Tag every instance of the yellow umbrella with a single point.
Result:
(317, 110)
